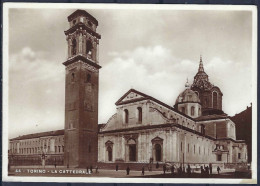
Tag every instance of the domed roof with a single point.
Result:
(186, 96)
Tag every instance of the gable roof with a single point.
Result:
(147, 97)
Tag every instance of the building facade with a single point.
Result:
(195, 130)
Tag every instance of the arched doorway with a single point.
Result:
(132, 150)
(109, 153)
(158, 152)
(157, 149)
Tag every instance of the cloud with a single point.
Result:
(156, 71)
(36, 88)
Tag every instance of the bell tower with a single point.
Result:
(81, 91)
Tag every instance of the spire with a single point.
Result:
(201, 69)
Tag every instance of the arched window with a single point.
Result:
(126, 115)
(88, 78)
(109, 153)
(202, 129)
(139, 109)
(74, 47)
(192, 110)
(206, 102)
(197, 93)
(215, 100)
(158, 152)
(72, 77)
(183, 110)
(89, 47)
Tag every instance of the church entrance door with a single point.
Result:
(132, 152)
(158, 152)
(109, 151)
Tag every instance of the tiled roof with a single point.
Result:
(40, 134)
(211, 117)
(44, 134)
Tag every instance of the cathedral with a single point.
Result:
(193, 130)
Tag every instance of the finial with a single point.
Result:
(187, 83)
(201, 68)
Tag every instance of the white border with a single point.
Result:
(6, 7)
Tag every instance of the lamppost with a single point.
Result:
(44, 151)
(68, 164)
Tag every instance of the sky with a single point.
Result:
(152, 51)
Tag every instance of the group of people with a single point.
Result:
(90, 169)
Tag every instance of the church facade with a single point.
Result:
(194, 130)
(145, 129)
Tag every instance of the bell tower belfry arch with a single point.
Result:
(81, 91)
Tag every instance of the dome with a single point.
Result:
(187, 96)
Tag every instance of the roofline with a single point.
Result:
(166, 126)
(28, 136)
(84, 13)
(81, 58)
(81, 25)
(146, 97)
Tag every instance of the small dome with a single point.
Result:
(186, 96)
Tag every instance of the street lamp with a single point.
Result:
(43, 155)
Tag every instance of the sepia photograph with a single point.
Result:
(129, 93)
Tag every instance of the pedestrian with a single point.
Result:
(164, 168)
(172, 170)
(87, 170)
(210, 168)
(96, 169)
(180, 169)
(127, 170)
(201, 170)
(218, 169)
(157, 165)
(55, 165)
(143, 170)
(90, 168)
(189, 171)
(116, 167)
(207, 171)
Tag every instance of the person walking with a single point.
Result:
(96, 169)
(116, 167)
(172, 170)
(201, 171)
(127, 170)
(157, 165)
(164, 168)
(143, 170)
(207, 171)
(189, 171)
(218, 169)
(90, 168)
(210, 168)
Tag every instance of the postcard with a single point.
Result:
(129, 93)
